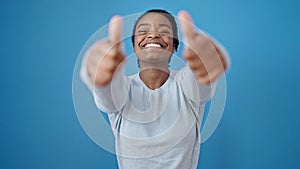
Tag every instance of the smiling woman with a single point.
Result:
(156, 114)
(167, 15)
(153, 42)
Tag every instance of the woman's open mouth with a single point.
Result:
(152, 44)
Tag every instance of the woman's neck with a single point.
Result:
(154, 78)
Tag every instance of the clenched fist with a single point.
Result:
(105, 56)
(201, 54)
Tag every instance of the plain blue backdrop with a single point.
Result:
(41, 39)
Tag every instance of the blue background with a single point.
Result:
(40, 41)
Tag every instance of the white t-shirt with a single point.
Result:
(155, 128)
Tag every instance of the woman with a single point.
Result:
(155, 114)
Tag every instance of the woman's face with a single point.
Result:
(153, 43)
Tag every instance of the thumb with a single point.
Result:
(186, 25)
(115, 29)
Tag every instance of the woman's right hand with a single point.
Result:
(105, 56)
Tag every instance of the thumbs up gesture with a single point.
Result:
(104, 57)
(202, 55)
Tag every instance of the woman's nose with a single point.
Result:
(153, 34)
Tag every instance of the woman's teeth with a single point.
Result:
(152, 45)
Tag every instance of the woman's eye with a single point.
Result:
(142, 32)
(164, 32)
